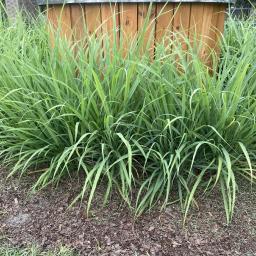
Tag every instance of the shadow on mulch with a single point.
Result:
(44, 219)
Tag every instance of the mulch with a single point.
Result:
(44, 219)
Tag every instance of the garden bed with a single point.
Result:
(155, 130)
(43, 219)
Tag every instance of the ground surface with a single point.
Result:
(7, 250)
(43, 219)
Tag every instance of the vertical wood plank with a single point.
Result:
(205, 31)
(181, 22)
(110, 22)
(218, 21)
(212, 28)
(200, 22)
(59, 18)
(128, 25)
(93, 19)
(52, 15)
(78, 22)
(146, 17)
(210, 40)
(196, 23)
(164, 21)
(207, 39)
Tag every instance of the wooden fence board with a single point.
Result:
(128, 25)
(146, 24)
(93, 19)
(196, 23)
(59, 17)
(164, 23)
(78, 22)
(189, 22)
(110, 22)
(181, 22)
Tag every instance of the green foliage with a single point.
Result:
(2, 10)
(33, 251)
(154, 130)
(245, 3)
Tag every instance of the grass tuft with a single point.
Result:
(166, 127)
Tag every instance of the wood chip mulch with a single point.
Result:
(43, 219)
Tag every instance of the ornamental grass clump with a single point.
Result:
(155, 130)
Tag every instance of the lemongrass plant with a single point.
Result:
(152, 129)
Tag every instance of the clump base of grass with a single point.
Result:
(155, 125)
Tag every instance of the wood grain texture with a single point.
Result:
(214, 33)
(191, 22)
(206, 41)
(128, 25)
(211, 41)
(78, 22)
(93, 19)
(181, 22)
(164, 21)
(196, 23)
(208, 30)
(146, 26)
(59, 18)
(110, 22)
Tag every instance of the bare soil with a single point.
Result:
(44, 219)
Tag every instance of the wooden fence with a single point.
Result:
(203, 20)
